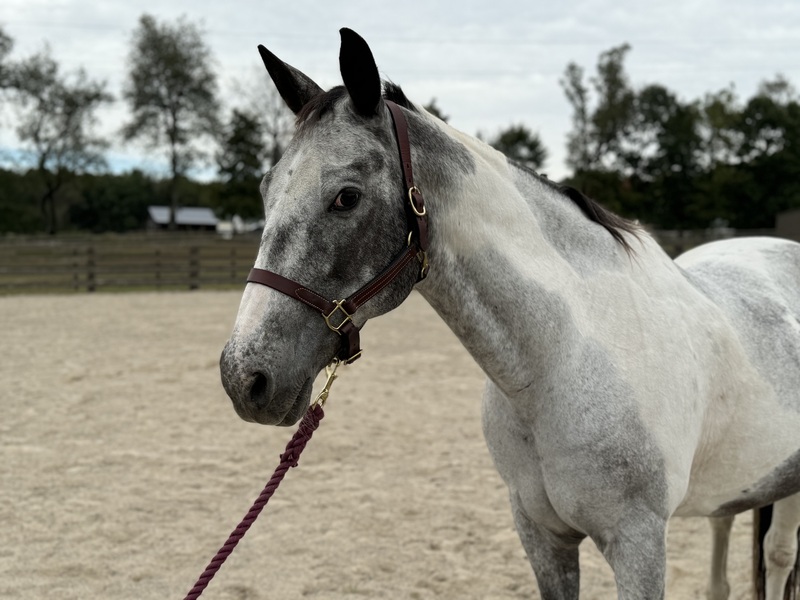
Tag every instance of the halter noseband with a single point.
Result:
(338, 314)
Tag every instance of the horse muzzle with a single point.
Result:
(257, 394)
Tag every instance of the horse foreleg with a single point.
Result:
(554, 557)
(718, 587)
(780, 545)
(636, 549)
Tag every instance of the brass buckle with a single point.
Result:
(417, 212)
(422, 257)
(347, 317)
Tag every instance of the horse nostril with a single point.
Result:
(259, 392)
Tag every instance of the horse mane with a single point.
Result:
(319, 105)
(323, 103)
(393, 92)
(592, 209)
(613, 223)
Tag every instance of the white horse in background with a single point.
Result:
(623, 387)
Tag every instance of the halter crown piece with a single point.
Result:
(338, 314)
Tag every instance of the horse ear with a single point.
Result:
(359, 73)
(295, 87)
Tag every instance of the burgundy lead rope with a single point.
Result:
(288, 459)
(416, 247)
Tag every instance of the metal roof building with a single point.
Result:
(186, 217)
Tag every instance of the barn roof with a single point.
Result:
(184, 215)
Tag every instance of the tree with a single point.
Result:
(768, 121)
(277, 123)
(770, 153)
(579, 140)
(434, 109)
(720, 115)
(597, 141)
(241, 164)
(56, 115)
(683, 164)
(243, 150)
(518, 143)
(264, 105)
(6, 43)
(664, 151)
(172, 93)
(615, 108)
(19, 199)
(113, 202)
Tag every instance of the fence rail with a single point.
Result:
(176, 261)
(88, 264)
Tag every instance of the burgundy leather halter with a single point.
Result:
(338, 314)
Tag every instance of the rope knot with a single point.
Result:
(290, 458)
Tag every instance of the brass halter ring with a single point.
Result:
(411, 191)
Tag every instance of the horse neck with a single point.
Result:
(509, 256)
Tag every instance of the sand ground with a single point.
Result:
(124, 467)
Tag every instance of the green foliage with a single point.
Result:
(520, 144)
(6, 44)
(579, 140)
(19, 202)
(644, 151)
(243, 151)
(241, 165)
(55, 119)
(115, 202)
(614, 113)
(677, 164)
(597, 139)
(57, 114)
(240, 198)
(719, 120)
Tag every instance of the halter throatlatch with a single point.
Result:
(338, 314)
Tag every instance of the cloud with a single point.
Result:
(488, 64)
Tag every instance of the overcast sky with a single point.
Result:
(489, 64)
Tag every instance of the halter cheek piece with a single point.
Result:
(338, 314)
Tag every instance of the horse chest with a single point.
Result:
(566, 462)
(513, 451)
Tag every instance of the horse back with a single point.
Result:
(756, 284)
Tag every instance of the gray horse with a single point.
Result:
(623, 388)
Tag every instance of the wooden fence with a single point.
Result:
(678, 241)
(175, 260)
(124, 262)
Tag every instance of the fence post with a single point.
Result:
(91, 284)
(194, 269)
(76, 278)
(158, 268)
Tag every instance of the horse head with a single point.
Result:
(336, 215)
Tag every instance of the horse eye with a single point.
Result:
(346, 200)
